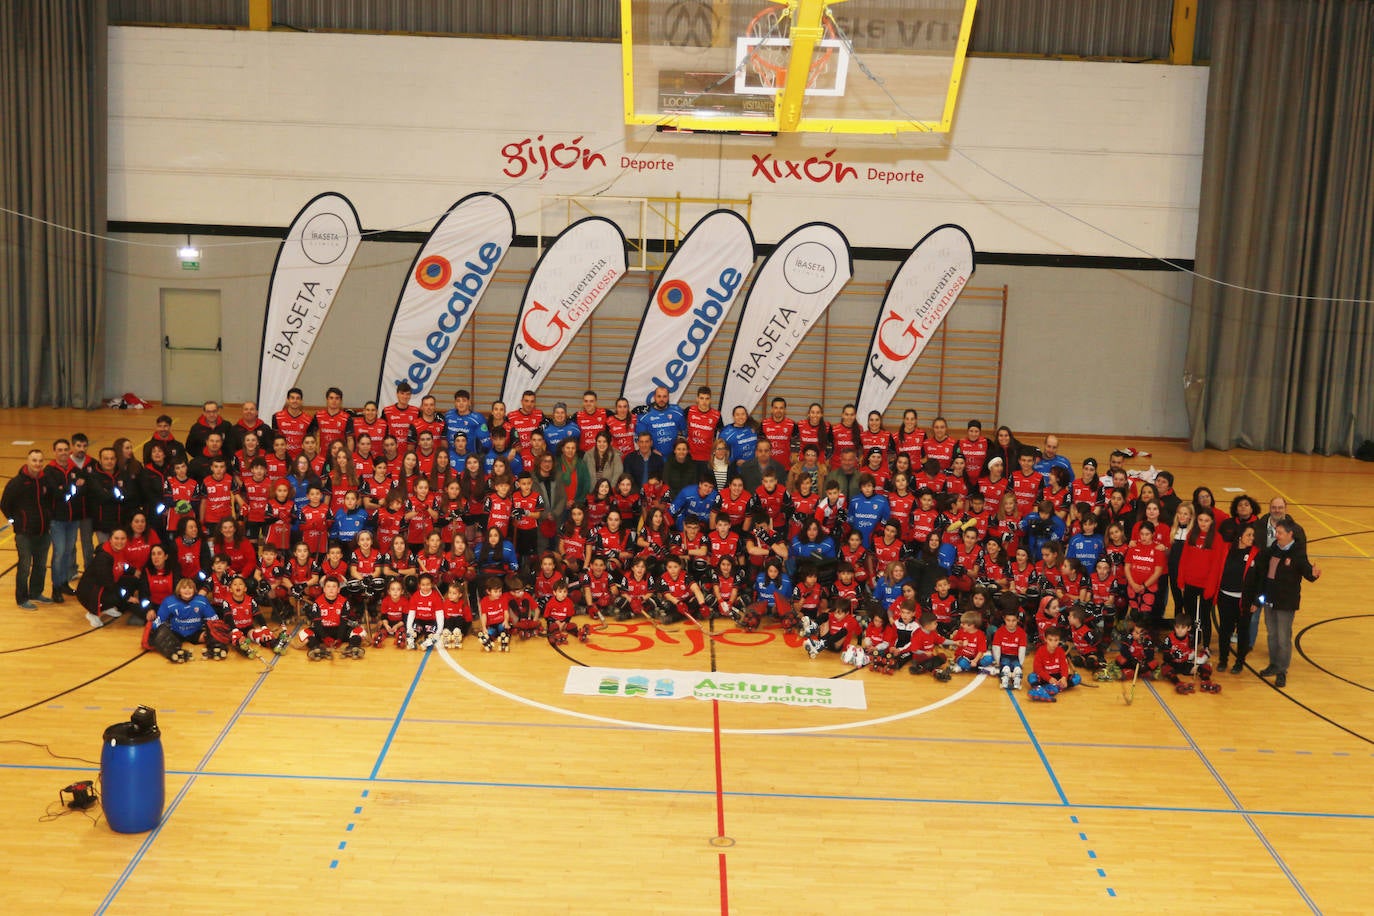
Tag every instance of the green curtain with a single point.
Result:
(1286, 204)
(53, 114)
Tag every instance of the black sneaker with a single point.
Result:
(1238, 667)
(1269, 672)
(1281, 679)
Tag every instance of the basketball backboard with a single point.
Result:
(856, 66)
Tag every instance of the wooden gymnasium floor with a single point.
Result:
(469, 782)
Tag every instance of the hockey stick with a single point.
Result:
(1135, 678)
(697, 624)
(656, 625)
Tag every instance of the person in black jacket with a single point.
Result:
(109, 587)
(28, 503)
(644, 462)
(1279, 571)
(111, 497)
(209, 422)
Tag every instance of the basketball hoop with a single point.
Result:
(768, 59)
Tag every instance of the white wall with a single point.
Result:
(237, 127)
(1085, 351)
(241, 128)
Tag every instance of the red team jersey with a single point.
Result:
(589, 424)
(331, 427)
(292, 428)
(702, 426)
(781, 434)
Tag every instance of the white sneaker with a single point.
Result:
(112, 613)
(94, 621)
(1006, 676)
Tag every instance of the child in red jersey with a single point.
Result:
(1136, 650)
(1009, 650)
(314, 519)
(878, 636)
(635, 588)
(675, 595)
(927, 646)
(240, 611)
(391, 615)
(281, 511)
(425, 614)
(332, 622)
(944, 604)
(1052, 672)
(1181, 657)
(969, 641)
(558, 615)
(727, 590)
(457, 615)
(839, 630)
(1083, 644)
(1047, 617)
(495, 616)
(524, 612)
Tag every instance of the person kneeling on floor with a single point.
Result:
(183, 617)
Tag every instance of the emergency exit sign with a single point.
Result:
(190, 265)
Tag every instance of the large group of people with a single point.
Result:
(909, 547)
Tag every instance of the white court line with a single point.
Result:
(657, 726)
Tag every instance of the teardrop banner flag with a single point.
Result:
(790, 292)
(921, 293)
(310, 265)
(447, 279)
(571, 279)
(688, 304)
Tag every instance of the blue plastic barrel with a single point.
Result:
(133, 774)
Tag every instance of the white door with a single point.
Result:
(190, 346)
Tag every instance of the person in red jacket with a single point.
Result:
(1199, 571)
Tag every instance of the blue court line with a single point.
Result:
(1254, 828)
(830, 736)
(1035, 743)
(171, 808)
(473, 783)
(401, 713)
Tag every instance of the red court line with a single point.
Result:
(720, 808)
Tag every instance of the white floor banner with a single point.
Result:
(664, 684)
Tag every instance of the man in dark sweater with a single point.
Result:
(1280, 569)
(28, 503)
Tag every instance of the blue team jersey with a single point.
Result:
(184, 617)
(691, 502)
(473, 425)
(666, 426)
(554, 435)
(1086, 549)
(347, 525)
(866, 513)
(742, 441)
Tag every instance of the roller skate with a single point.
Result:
(378, 638)
(485, 637)
(1042, 694)
(319, 653)
(1006, 677)
(813, 647)
(180, 656)
(750, 622)
(807, 626)
(216, 653)
(1185, 687)
(430, 641)
(943, 675)
(448, 639)
(584, 633)
(353, 652)
(1209, 687)
(505, 641)
(1016, 678)
(790, 622)
(283, 640)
